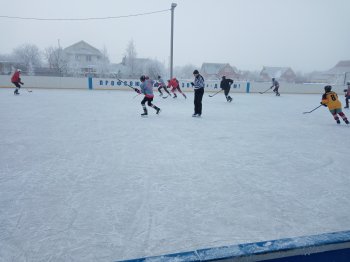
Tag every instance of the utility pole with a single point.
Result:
(173, 5)
(345, 78)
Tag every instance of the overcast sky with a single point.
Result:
(306, 35)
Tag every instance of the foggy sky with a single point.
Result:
(306, 35)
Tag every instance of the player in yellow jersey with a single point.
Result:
(330, 99)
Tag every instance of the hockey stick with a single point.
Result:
(136, 95)
(126, 84)
(312, 110)
(216, 93)
(133, 88)
(28, 90)
(265, 91)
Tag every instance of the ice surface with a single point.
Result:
(84, 178)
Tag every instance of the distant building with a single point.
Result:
(83, 58)
(280, 73)
(317, 77)
(135, 68)
(216, 71)
(339, 74)
(341, 67)
(138, 68)
(7, 67)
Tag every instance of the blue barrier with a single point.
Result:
(326, 247)
(110, 83)
(90, 82)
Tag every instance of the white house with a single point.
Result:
(83, 58)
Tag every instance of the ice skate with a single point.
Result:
(145, 113)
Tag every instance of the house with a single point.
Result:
(281, 73)
(339, 74)
(341, 67)
(317, 77)
(83, 58)
(216, 71)
(8, 67)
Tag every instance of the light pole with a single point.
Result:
(173, 5)
(345, 78)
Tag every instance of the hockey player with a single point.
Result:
(198, 86)
(347, 95)
(161, 84)
(147, 89)
(330, 99)
(174, 84)
(16, 80)
(225, 84)
(276, 85)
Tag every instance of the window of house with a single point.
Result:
(88, 58)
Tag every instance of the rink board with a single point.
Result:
(321, 248)
(48, 82)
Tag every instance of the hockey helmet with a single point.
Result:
(142, 78)
(195, 72)
(328, 88)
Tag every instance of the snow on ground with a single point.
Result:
(84, 178)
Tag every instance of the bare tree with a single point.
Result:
(56, 59)
(103, 64)
(184, 72)
(130, 56)
(28, 54)
(153, 69)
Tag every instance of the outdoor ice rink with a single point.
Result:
(84, 178)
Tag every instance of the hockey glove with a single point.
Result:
(192, 84)
(137, 91)
(323, 104)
